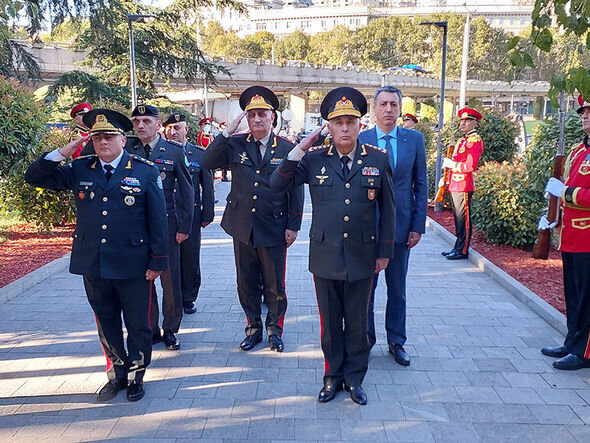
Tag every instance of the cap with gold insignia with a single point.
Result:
(408, 116)
(144, 110)
(258, 97)
(107, 121)
(79, 109)
(343, 101)
(174, 118)
(469, 114)
(583, 104)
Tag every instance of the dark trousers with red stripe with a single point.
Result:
(109, 298)
(250, 263)
(462, 214)
(576, 284)
(343, 315)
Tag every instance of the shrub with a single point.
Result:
(505, 207)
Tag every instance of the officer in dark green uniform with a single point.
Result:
(349, 183)
(170, 159)
(176, 129)
(262, 222)
(120, 242)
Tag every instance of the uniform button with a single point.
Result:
(254, 197)
(345, 235)
(104, 227)
(105, 199)
(258, 171)
(347, 185)
(104, 212)
(347, 201)
(104, 240)
(372, 237)
(255, 183)
(346, 218)
(253, 209)
(141, 240)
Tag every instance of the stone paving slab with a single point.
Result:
(476, 373)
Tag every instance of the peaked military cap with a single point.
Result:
(205, 120)
(145, 111)
(107, 121)
(343, 101)
(81, 108)
(583, 104)
(258, 97)
(469, 113)
(174, 118)
(408, 116)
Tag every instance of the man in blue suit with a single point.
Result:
(407, 156)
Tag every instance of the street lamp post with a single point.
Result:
(130, 19)
(441, 111)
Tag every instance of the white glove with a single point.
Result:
(448, 163)
(544, 224)
(554, 187)
(441, 182)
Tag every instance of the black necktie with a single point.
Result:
(147, 149)
(345, 169)
(109, 171)
(258, 153)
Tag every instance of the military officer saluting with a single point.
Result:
(262, 222)
(176, 129)
(349, 183)
(173, 166)
(463, 164)
(120, 242)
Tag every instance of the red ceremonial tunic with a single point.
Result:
(203, 139)
(574, 235)
(77, 133)
(466, 155)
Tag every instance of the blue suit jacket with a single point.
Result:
(410, 181)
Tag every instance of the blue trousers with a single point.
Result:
(395, 311)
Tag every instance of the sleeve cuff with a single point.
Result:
(296, 154)
(224, 133)
(569, 195)
(54, 156)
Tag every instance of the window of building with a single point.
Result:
(500, 21)
(323, 23)
(511, 21)
(522, 21)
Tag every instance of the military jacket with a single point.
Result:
(204, 208)
(343, 237)
(254, 212)
(466, 155)
(575, 201)
(171, 161)
(121, 227)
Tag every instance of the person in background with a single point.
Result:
(80, 130)
(409, 121)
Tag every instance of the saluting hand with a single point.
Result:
(233, 126)
(152, 275)
(72, 146)
(308, 141)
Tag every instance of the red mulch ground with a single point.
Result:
(543, 277)
(26, 250)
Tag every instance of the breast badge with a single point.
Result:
(243, 157)
(371, 194)
(129, 200)
(322, 177)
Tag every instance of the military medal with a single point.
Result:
(163, 175)
(371, 194)
(81, 195)
(91, 195)
(129, 200)
(275, 161)
(136, 189)
(370, 171)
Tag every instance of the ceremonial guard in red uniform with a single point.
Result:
(204, 137)
(409, 121)
(462, 165)
(574, 244)
(81, 131)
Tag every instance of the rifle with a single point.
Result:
(440, 195)
(543, 242)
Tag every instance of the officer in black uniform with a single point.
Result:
(170, 159)
(262, 222)
(349, 183)
(176, 129)
(120, 242)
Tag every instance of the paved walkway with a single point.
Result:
(476, 373)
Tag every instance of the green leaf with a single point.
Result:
(516, 59)
(512, 43)
(528, 60)
(544, 40)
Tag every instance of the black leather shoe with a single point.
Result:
(190, 307)
(571, 362)
(135, 390)
(328, 392)
(110, 390)
(445, 253)
(456, 255)
(156, 338)
(250, 341)
(399, 354)
(558, 352)
(171, 341)
(357, 393)
(276, 344)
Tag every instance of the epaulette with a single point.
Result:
(474, 138)
(132, 136)
(83, 157)
(141, 159)
(174, 142)
(375, 148)
(318, 148)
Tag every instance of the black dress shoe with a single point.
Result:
(250, 341)
(135, 390)
(156, 338)
(456, 255)
(171, 341)
(190, 307)
(276, 344)
(558, 352)
(357, 393)
(571, 362)
(445, 253)
(399, 354)
(328, 392)
(110, 390)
